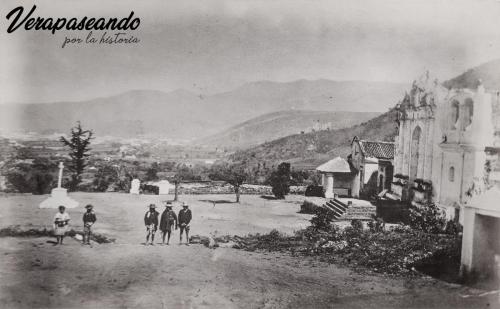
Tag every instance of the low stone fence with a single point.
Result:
(224, 188)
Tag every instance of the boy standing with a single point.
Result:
(184, 220)
(151, 222)
(89, 219)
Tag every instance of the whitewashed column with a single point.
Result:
(468, 241)
(429, 149)
(421, 150)
(398, 160)
(329, 186)
(406, 149)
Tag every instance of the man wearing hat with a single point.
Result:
(168, 219)
(184, 220)
(151, 222)
(89, 219)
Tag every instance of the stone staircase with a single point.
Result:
(350, 211)
(337, 207)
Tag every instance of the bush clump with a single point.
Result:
(280, 180)
(399, 250)
(314, 190)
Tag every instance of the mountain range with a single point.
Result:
(185, 115)
(246, 116)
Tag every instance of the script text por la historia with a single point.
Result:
(104, 38)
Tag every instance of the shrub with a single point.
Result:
(313, 190)
(308, 208)
(18, 182)
(396, 251)
(376, 225)
(357, 224)
(427, 218)
(280, 180)
(104, 178)
(322, 220)
(36, 178)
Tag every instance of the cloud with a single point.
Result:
(211, 46)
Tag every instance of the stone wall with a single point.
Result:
(224, 188)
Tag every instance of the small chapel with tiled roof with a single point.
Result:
(367, 171)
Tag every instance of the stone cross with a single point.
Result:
(59, 181)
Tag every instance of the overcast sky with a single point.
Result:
(213, 46)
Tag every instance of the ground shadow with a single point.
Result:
(53, 242)
(393, 211)
(269, 197)
(218, 201)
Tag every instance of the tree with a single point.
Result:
(233, 174)
(280, 180)
(183, 173)
(152, 171)
(79, 145)
(37, 177)
(105, 176)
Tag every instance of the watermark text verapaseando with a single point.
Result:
(30, 22)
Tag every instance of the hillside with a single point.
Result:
(184, 115)
(311, 149)
(487, 72)
(279, 124)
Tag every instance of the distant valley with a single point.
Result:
(183, 115)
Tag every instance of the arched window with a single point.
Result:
(468, 112)
(451, 174)
(455, 113)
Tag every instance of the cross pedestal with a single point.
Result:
(59, 196)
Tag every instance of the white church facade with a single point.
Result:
(440, 148)
(448, 153)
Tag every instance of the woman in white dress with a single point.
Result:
(61, 220)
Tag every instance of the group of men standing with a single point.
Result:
(167, 222)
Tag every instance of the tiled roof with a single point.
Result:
(379, 150)
(337, 165)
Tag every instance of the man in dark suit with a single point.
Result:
(167, 222)
(184, 218)
(151, 222)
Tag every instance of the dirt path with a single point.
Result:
(126, 274)
(36, 274)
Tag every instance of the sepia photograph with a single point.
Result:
(250, 154)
